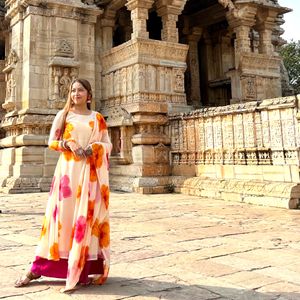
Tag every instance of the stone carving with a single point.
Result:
(64, 49)
(61, 77)
(12, 58)
(10, 87)
(179, 80)
(64, 82)
(264, 133)
(249, 86)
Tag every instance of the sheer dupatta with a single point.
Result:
(91, 228)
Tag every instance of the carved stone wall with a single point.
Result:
(49, 45)
(255, 141)
(228, 58)
(145, 78)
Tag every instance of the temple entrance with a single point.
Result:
(211, 53)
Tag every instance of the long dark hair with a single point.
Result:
(69, 103)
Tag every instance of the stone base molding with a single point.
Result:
(143, 185)
(268, 193)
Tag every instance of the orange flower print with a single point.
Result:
(93, 173)
(59, 228)
(84, 253)
(101, 122)
(90, 213)
(95, 228)
(54, 252)
(97, 154)
(54, 145)
(78, 194)
(104, 238)
(105, 194)
(92, 124)
(68, 155)
(44, 228)
(67, 133)
(72, 236)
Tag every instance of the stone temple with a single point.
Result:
(194, 93)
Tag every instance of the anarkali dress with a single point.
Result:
(75, 237)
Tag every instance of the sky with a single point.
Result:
(292, 20)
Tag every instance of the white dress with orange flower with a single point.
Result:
(76, 223)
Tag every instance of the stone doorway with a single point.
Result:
(203, 26)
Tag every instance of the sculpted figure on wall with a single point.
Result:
(65, 82)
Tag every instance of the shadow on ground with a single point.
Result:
(123, 288)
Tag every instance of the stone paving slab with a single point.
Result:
(167, 247)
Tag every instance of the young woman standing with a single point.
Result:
(75, 237)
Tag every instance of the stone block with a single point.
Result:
(150, 154)
(29, 154)
(270, 201)
(247, 170)
(7, 156)
(184, 170)
(48, 170)
(137, 170)
(28, 170)
(227, 196)
(273, 173)
(227, 171)
(295, 174)
(205, 170)
(50, 156)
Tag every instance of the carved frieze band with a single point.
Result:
(251, 133)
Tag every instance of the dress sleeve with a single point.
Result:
(55, 142)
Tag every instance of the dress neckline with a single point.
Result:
(81, 114)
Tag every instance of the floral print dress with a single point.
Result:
(76, 224)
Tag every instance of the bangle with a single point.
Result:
(64, 145)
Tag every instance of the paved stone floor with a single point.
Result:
(167, 247)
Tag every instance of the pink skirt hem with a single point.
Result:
(59, 269)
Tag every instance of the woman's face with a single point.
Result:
(79, 94)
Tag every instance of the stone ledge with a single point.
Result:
(277, 194)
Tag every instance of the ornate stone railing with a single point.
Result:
(245, 152)
(253, 133)
(143, 72)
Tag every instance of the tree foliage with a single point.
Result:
(290, 53)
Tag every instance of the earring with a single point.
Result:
(88, 100)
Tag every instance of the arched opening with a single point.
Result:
(123, 27)
(154, 26)
(203, 26)
(2, 49)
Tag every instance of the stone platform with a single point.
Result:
(171, 246)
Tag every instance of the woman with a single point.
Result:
(75, 236)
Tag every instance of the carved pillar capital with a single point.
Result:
(241, 20)
(266, 22)
(107, 25)
(139, 15)
(169, 15)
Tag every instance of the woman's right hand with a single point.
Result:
(76, 149)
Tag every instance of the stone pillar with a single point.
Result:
(107, 24)
(266, 24)
(37, 83)
(241, 25)
(169, 15)
(139, 16)
(193, 66)
(241, 21)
